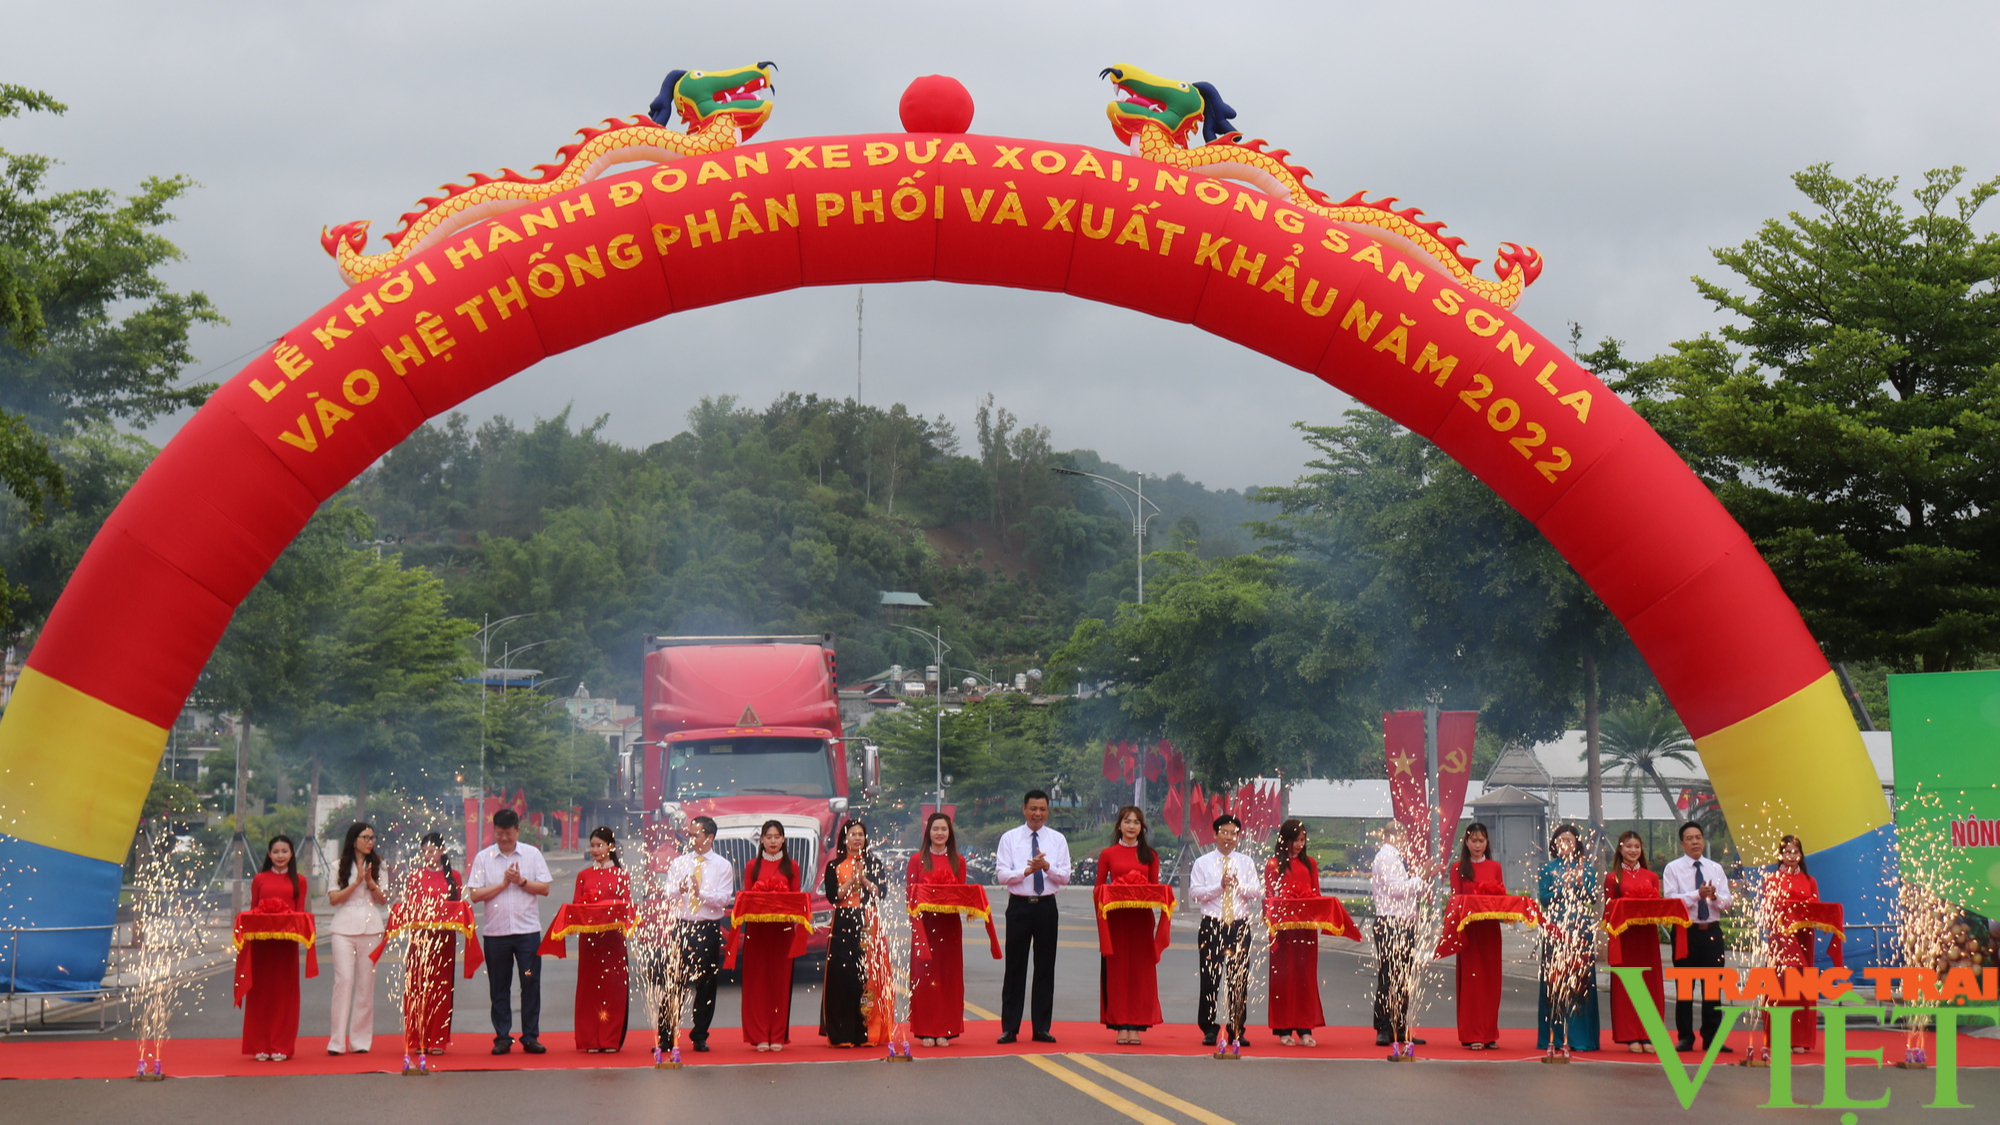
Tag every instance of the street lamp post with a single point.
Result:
(1136, 504)
(485, 635)
(938, 649)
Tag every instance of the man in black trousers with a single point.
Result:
(699, 887)
(1703, 887)
(1032, 862)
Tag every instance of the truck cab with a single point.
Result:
(746, 730)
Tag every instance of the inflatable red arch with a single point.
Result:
(81, 739)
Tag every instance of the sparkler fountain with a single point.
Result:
(167, 926)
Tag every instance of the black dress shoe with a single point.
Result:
(1208, 1040)
(502, 1048)
(701, 1046)
(533, 1047)
(1382, 1039)
(1419, 1042)
(1684, 1045)
(1044, 1037)
(1726, 1049)
(1243, 1041)
(1007, 1037)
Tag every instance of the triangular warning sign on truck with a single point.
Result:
(749, 717)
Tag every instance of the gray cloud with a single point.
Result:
(1621, 140)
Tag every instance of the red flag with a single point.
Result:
(1125, 768)
(1176, 764)
(1403, 746)
(520, 805)
(1110, 761)
(575, 826)
(1155, 764)
(1456, 730)
(1173, 809)
(535, 821)
(1199, 818)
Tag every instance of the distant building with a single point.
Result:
(617, 724)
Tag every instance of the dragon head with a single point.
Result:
(699, 96)
(355, 234)
(1174, 106)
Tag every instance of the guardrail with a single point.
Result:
(105, 996)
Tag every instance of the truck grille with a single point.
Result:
(803, 849)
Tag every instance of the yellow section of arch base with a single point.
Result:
(74, 770)
(1797, 767)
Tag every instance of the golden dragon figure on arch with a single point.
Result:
(1156, 115)
(719, 109)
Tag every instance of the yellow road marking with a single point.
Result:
(1093, 1090)
(1153, 1092)
(981, 1013)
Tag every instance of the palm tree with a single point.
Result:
(1638, 738)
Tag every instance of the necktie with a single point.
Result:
(1699, 882)
(1228, 893)
(1035, 848)
(694, 888)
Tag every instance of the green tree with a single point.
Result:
(1637, 738)
(88, 329)
(350, 661)
(1850, 417)
(1231, 661)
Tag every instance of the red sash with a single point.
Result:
(1815, 915)
(1135, 896)
(433, 914)
(1464, 909)
(271, 925)
(1314, 912)
(790, 907)
(586, 918)
(1621, 914)
(962, 899)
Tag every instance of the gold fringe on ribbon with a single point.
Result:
(945, 908)
(1628, 923)
(1333, 928)
(593, 928)
(1495, 916)
(795, 919)
(238, 940)
(1104, 908)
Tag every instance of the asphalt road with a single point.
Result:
(1064, 1089)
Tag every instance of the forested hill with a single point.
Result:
(789, 519)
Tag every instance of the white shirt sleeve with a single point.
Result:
(718, 885)
(541, 868)
(1058, 872)
(1677, 881)
(477, 874)
(1721, 880)
(1205, 881)
(1009, 857)
(1249, 887)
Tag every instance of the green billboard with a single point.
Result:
(1947, 747)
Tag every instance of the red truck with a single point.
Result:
(745, 730)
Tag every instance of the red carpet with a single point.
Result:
(190, 1058)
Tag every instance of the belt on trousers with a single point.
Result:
(1030, 898)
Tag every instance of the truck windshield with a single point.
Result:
(790, 767)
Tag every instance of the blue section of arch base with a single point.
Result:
(41, 887)
(1861, 875)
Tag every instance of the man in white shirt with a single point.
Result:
(508, 877)
(699, 887)
(1703, 887)
(1397, 894)
(1032, 862)
(1225, 886)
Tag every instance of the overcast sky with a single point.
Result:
(1622, 140)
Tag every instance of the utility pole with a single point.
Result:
(938, 650)
(1431, 779)
(1136, 505)
(485, 635)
